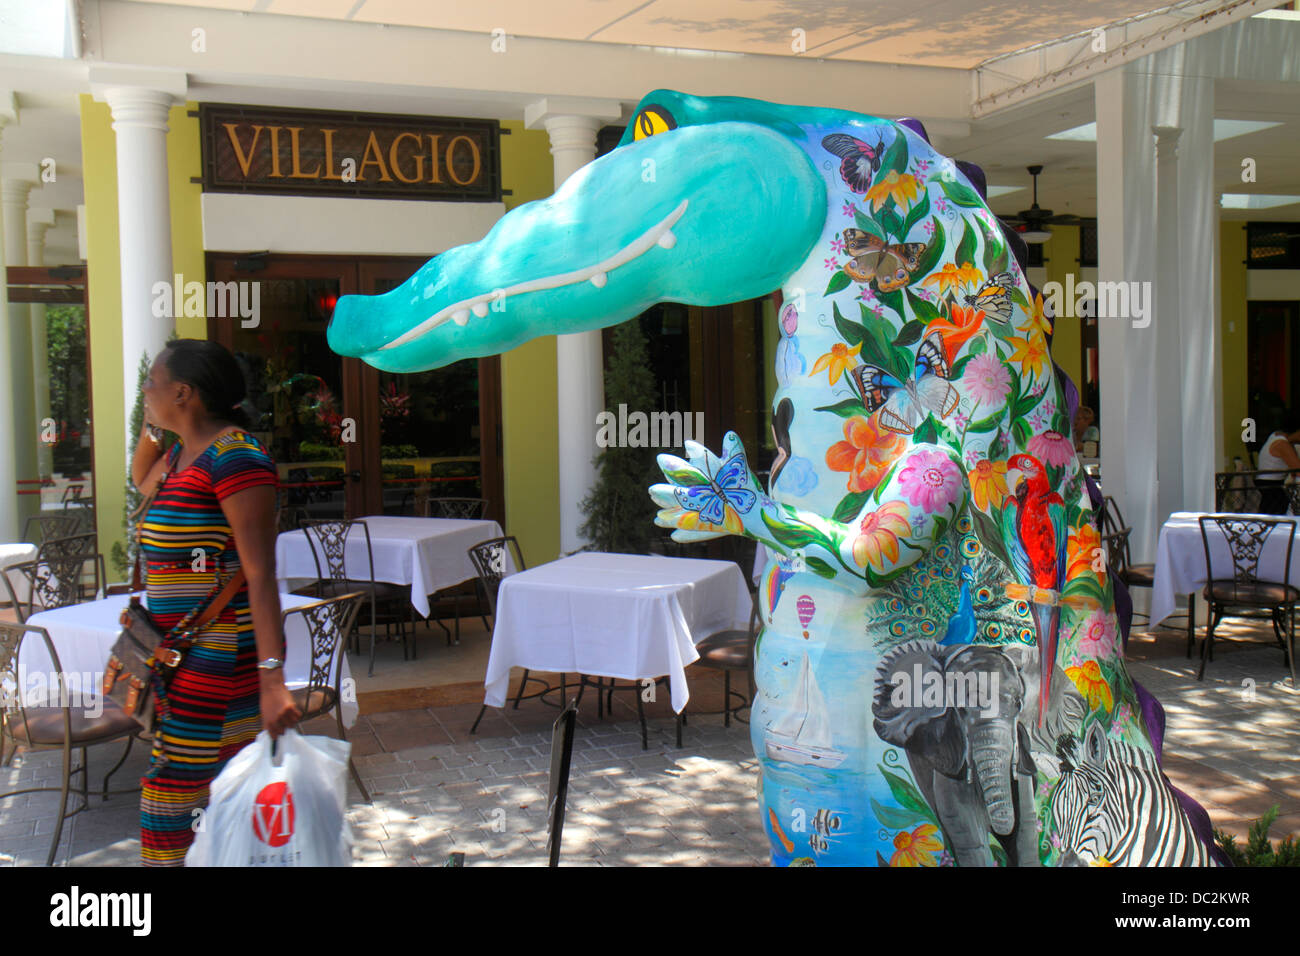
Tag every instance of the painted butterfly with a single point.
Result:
(993, 298)
(726, 490)
(904, 405)
(889, 266)
(858, 161)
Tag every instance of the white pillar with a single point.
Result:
(10, 526)
(16, 181)
(572, 126)
(143, 224)
(1126, 241)
(1167, 325)
(38, 221)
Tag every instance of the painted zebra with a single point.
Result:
(1114, 809)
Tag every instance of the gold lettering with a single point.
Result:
(245, 160)
(296, 157)
(329, 154)
(275, 153)
(433, 158)
(451, 169)
(372, 148)
(419, 159)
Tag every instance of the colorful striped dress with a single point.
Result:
(214, 700)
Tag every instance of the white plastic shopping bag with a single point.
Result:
(286, 810)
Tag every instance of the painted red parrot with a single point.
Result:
(1033, 530)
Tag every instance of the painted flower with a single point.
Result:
(878, 541)
(928, 228)
(839, 359)
(866, 454)
(832, 264)
(1051, 448)
(931, 480)
(918, 847)
(837, 245)
(1030, 352)
(1091, 684)
(953, 276)
(1098, 638)
(1038, 322)
(988, 484)
(902, 187)
(867, 294)
(960, 324)
(961, 420)
(1081, 549)
(848, 209)
(987, 379)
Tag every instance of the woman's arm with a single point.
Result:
(251, 513)
(148, 462)
(1282, 448)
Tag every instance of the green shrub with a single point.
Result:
(1259, 851)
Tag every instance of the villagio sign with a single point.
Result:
(250, 149)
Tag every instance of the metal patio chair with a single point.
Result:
(1241, 586)
(41, 528)
(471, 508)
(328, 623)
(557, 796)
(56, 724)
(729, 651)
(56, 576)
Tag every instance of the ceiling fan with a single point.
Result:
(1032, 223)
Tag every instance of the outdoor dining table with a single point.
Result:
(626, 616)
(1180, 559)
(11, 554)
(83, 636)
(429, 554)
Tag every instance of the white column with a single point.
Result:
(572, 126)
(144, 224)
(10, 526)
(16, 181)
(1167, 327)
(38, 221)
(1126, 241)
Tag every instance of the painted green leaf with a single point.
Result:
(819, 567)
(927, 434)
(1060, 423)
(984, 425)
(895, 157)
(850, 505)
(918, 212)
(962, 195)
(1020, 432)
(1018, 297)
(933, 252)
(838, 281)
(959, 367)
(892, 221)
(686, 477)
(977, 346)
(867, 224)
(907, 795)
(923, 309)
(998, 449)
(897, 818)
(966, 248)
(990, 534)
(910, 333)
(851, 332)
(791, 536)
(845, 409)
(891, 300)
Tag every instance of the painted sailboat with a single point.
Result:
(802, 735)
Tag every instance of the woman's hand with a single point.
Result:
(279, 712)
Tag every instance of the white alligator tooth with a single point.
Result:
(667, 240)
(599, 280)
(480, 309)
(460, 316)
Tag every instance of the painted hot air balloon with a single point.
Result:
(806, 609)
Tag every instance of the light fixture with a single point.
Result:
(1035, 237)
(1255, 200)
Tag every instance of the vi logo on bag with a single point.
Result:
(273, 814)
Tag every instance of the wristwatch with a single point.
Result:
(155, 434)
(270, 664)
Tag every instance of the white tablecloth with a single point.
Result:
(429, 554)
(11, 554)
(613, 615)
(1180, 559)
(84, 634)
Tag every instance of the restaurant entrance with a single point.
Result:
(350, 440)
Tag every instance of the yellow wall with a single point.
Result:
(104, 288)
(1232, 335)
(530, 427)
(1062, 255)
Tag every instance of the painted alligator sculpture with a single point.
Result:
(940, 674)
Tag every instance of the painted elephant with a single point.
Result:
(965, 714)
(920, 420)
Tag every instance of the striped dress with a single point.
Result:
(213, 702)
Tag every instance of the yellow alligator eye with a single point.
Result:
(652, 120)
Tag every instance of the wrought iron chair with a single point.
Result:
(328, 540)
(41, 528)
(56, 576)
(53, 723)
(1245, 539)
(471, 508)
(729, 651)
(328, 623)
(1133, 575)
(1241, 492)
(557, 796)
(491, 560)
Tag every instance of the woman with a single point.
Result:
(1277, 453)
(214, 513)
